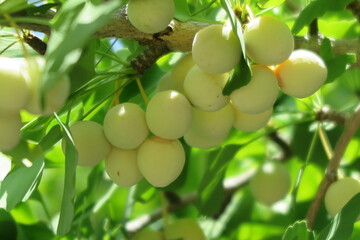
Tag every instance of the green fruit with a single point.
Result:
(14, 90)
(185, 229)
(197, 139)
(302, 74)
(125, 126)
(168, 114)
(268, 40)
(90, 142)
(271, 183)
(161, 161)
(180, 70)
(166, 83)
(10, 125)
(150, 16)
(121, 166)
(251, 122)
(339, 193)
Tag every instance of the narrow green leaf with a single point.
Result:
(298, 231)
(270, 3)
(10, 6)
(341, 227)
(68, 198)
(326, 50)
(338, 65)
(19, 184)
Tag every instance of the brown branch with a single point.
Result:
(351, 126)
(35, 43)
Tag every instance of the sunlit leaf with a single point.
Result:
(298, 231)
(270, 3)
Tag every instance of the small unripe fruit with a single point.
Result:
(121, 166)
(259, 94)
(180, 70)
(148, 234)
(150, 16)
(168, 114)
(268, 40)
(302, 74)
(161, 161)
(204, 90)
(339, 193)
(14, 90)
(125, 126)
(271, 183)
(10, 125)
(251, 122)
(216, 49)
(185, 229)
(198, 140)
(90, 143)
(166, 83)
(54, 98)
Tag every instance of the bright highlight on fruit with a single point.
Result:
(216, 49)
(185, 229)
(271, 183)
(125, 126)
(339, 193)
(302, 74)
(268, 40)
(161, 161)
(150, 16)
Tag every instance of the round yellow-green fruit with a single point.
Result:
(180, 70)
(14, 90)
(339, 193)
(268, 40)
(148, 234)
(204, 90)
(259, 94)
(168, 114)
(90, 143)
(216, 49)
(166, 83)
(251, 122)
(271, 183)
(197, 139)
(125, 126)
(185, 229)
(10, 125)
(161, 161)
(150, 16)
(302, 74)
(121, 166)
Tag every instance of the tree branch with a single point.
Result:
(351, 126)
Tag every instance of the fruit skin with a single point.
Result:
(54, 98)
(168, 114)
(166, 83)
(148, 234)
(90, 143)
(125, 126)
(259, 94)
(198, 140)
(121, 166)
(302, 74)
(180, 70)
(204, 90)
(10, 125)
(216, 49)
(161, 161)
(271, 183)
(251, 122)
(185, 229)
(14, 90)
(150, 16)
(268, 40)
(339, 193)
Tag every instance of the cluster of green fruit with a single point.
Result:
(20, 89)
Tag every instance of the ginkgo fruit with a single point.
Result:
(10, 125)
(268, 40)
(166, 83)
(168, 114)
(204, 90)
(121, 166)
(197, 139)
(125, 126)
(150, 16)
(14, 90)
(161, 161)
(180, 70)
(185, 229)
(259, 94)
(302, 74)
(216, 49)
(271, 183)
(339, 193)
(90, 142)
(251, 122)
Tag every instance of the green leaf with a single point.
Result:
(270, 3)
(298, 231)
(182, 12)
(68, 198)
(19, 184)
(317, 9)
(10, 6)
(341, 227)
(211, 190)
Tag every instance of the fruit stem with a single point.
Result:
(142, 91)
(16, 27)
(325, 142)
